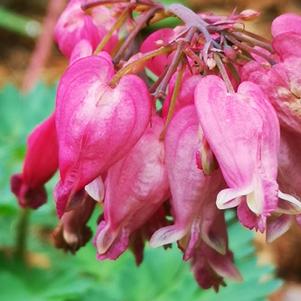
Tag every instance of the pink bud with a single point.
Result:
(286, 23)
(75, 25)
(158, 64)
(40, 164)
(249, 14)
(97, 124)
(286, 31)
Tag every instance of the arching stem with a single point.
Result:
(141, 22)
(249, 49)
(252, 41)
(147, 56)
(173, 101)
(119, 22)
(160, 91)
(191, 19)
(223, 72)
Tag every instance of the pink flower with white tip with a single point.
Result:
(243, 132)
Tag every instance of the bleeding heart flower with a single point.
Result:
(191, 190)
(41, 162)
(135, 188)
(286, 31)
(199, 226)
(98, 124)
(75, 25)
(281, 83)
(243, 132)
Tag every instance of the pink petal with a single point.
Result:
(287, 45)
(248, 158)
(96, 189)
(289, 177)
(222, 116)
(97, 124)
(136, 186)
(75, 25)
(286, 23)
(192, 192)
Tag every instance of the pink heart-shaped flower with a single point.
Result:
(97, 124)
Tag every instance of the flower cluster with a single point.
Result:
(165, 133)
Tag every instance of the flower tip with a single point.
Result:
(217, 243)
(229, 198)
(105, 238)
(236, 275)
(70, 238)
(166, 236)
(95, 189)
(27, 196)
(277, 227)
(291, 200)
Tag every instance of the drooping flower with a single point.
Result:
(199, 227)
(41, 162)
(211, 267)
(286, 31)
(190, 188)
(135, 188)
(75, 25)
(243, 132)
(97, 124)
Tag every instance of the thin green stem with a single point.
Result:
(21, 234)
